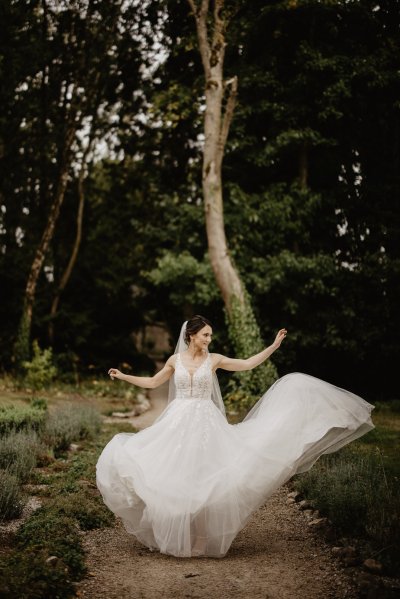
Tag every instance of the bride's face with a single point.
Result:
(202, 338)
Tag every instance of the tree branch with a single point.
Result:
(200, 15)
(228, 115)
(218, 21)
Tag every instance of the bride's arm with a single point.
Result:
(146, 382)
(233, 364)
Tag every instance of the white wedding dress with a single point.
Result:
(187, 484)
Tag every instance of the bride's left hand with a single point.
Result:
(280, 337)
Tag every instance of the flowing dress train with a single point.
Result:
(189, 483)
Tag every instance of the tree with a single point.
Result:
(77, 77)
(242, 323)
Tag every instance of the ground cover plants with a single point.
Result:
(45, 557)
(358, 488)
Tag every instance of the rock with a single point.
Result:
(290, 500)
(138, 409)
(305, 504)
(350, 562)
(295, 495)
(142, 406)
(122, 414)
(52, 560)
(372, 565)
(318, 523)
(308, 514)
(74, 447)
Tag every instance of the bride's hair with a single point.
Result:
(194, 325)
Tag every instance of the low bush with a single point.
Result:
(40, 371)
(352, 489)
(12, 501)
(56, 534)
(87, 510)
(29, 575)
(18, 453)
(40, 403)
(71, 423)
(26, 572)
(106, 388)
(17, 418)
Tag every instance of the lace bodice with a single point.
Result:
(196, 386)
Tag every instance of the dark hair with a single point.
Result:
(194, 325)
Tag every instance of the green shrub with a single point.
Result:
(40, 371)
(18, 453)
(71, 423)
(391, 406)
(16, 418)
(87, 510)
(352, 489)
(40, 403)
(106, 388)
(58, 535)
(27, 575)
(12, 500)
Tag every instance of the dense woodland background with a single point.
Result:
(101, 135)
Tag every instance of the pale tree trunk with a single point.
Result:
(21, 349)
(216, 129)
(75, 249)
(243, 328)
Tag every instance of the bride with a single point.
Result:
(189, 483)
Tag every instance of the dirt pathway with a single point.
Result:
(276, 556)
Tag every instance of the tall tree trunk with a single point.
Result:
(243, 328)
(75, 249)
(21, 349)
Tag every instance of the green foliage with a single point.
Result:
(308, 160)
(47, 530)
(12, 500)
(70, 423)
(17, 418)
(28, 575)
(18, 453)
(352, 489)
(40, 371)
(88, 510)
(246, 340)
(73, 504)
(40, 403)
(188, 279)
(106, 388)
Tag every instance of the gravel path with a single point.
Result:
(276, 556)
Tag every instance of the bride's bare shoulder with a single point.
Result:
(171, 362)
(215, 360)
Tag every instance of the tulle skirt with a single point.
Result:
(189, 483)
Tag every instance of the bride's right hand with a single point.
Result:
(115, 373)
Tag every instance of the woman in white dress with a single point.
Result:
(188, 484)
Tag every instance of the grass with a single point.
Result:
(105, 395)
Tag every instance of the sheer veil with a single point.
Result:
(216, 395)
